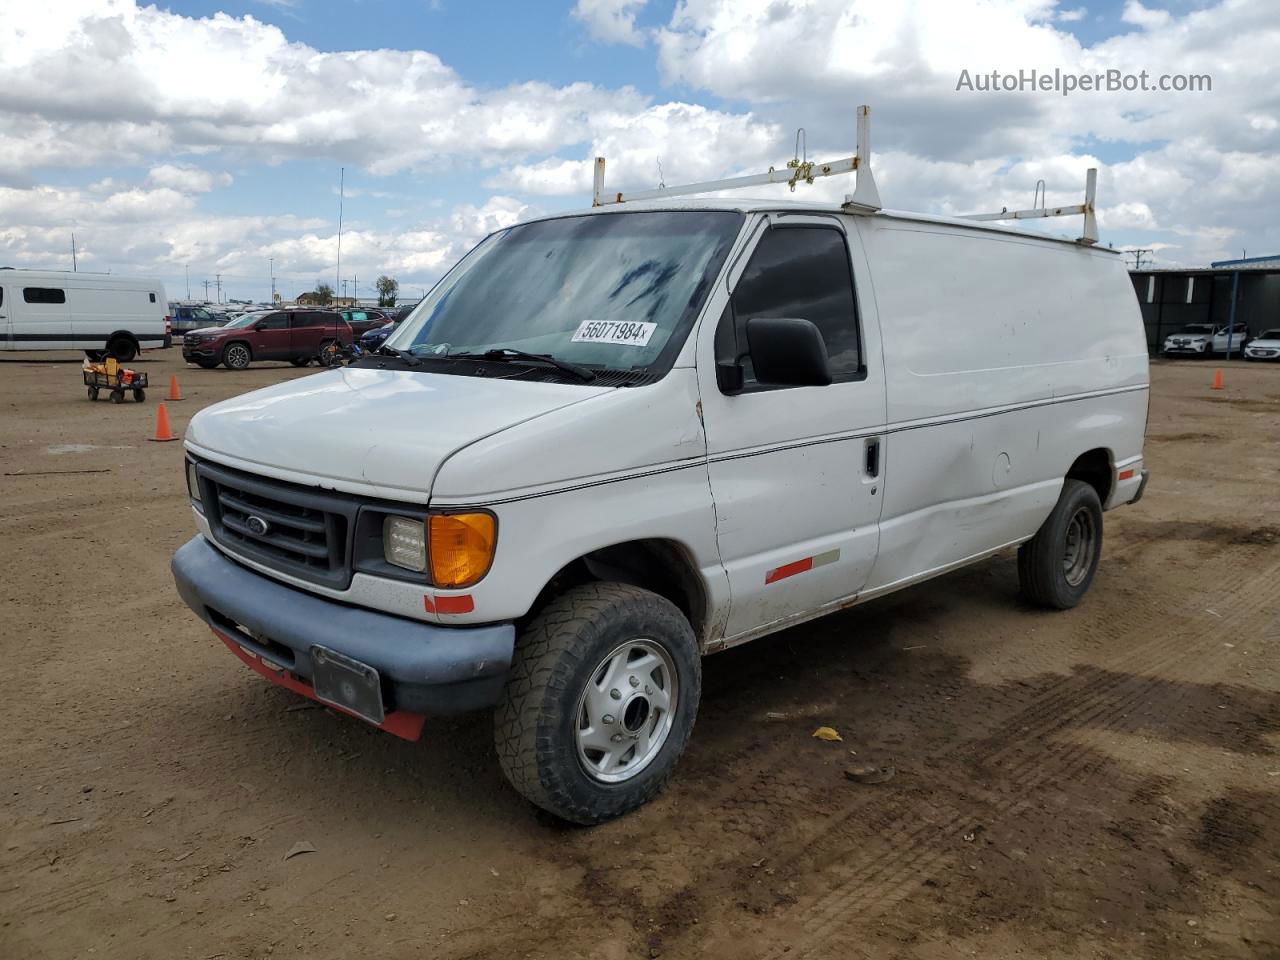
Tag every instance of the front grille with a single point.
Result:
(287, 527)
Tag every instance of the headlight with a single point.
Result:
(404, 543)
(462, 546)
(193, 482)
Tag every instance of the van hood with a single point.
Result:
(369, 431)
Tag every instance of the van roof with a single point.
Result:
(763, 205)
(81, 277)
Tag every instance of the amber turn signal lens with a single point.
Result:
(461, 547)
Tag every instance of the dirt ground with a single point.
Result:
(1098, 783)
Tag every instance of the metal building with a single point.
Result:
(1246, 291)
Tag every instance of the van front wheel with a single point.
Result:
(1056, 566)
(599, 703)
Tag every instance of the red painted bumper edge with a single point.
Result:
(406, 726)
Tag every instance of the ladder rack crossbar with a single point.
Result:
(773, 175)
(1088, 236)
(1028, 214)
(799, 170)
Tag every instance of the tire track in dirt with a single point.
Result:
(887, 867)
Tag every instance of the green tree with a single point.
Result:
(324, 294)
(388, 290)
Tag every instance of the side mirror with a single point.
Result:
(787, 352)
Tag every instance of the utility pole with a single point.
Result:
(219, 285)
(342, 182)
(187, 268)
(206, 291)
(74, 268)
(1137, 256)
(344, 289)
(272, 266)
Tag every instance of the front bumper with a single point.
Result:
(425, 669)
(202, 350)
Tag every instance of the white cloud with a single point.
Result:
(611, 21)
(1146, 17)
(94, 81)
(187, 179)
(1071, 16)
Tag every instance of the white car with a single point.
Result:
(1203, 339)
(611, 442)
(1265, 347)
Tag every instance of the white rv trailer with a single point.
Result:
(610, 442)
(98, 313)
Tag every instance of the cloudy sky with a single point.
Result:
(205, 137)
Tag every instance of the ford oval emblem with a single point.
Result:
(257, 526)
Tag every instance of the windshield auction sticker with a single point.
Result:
(613, 331)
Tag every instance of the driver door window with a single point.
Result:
(800, 271)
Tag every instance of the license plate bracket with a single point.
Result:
(347, 683)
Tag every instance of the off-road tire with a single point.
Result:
(557, 653)
(1041, 570)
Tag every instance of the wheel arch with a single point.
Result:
(664, 566)
(1096, 468)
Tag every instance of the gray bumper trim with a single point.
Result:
(427, 668)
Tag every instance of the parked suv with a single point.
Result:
(364, 320)
(298, 336)
(186, 317)
(1202, 339)
(373, 339)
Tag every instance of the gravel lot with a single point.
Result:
(1098, 783)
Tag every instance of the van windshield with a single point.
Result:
(616, 291)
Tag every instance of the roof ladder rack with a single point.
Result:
(1090, 234)
(864, 198)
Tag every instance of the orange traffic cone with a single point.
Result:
(162, 425)
(1217, 379)
(174, 392)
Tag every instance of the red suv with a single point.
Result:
(298, 336)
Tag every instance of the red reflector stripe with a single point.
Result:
(788, 570)
(459, 604)
(1126, 474)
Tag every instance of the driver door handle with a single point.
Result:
(872, 463)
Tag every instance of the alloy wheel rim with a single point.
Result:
(625, 711)
(238, 356)
(1082, 543)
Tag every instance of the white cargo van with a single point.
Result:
(95, 312)
(609, 443)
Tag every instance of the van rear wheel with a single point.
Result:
(599, 703)
(1056, 566)
(123, 349)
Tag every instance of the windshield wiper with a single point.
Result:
(509, 354)
(408, 358)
